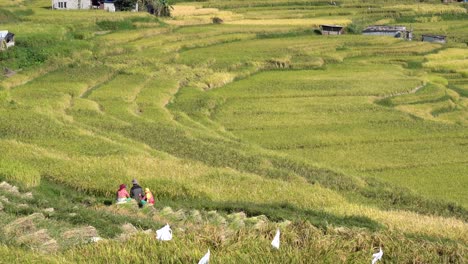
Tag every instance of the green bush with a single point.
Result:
(8, 17)
(355, 27)
(125, 5)
(22, 57)
(23, 12)
(115, 25)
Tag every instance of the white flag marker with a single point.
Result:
(95, 239)
(164, 234)
(276, 241)
(377, 256)
(205, 258)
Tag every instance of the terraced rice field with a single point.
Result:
(331, 116)
(360, 141)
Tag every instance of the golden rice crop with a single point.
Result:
(85, 17)
(455, 60)
(430, 8)
(182, 10)
(112, 39)
(179, 109)
(419, 224)
(291, 22)
(426, 110)
(202, 18)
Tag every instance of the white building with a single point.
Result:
(71, 4)
(391, 31)
(108, 6)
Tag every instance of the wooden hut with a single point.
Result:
(331, 29)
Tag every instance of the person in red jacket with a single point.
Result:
(122, 194)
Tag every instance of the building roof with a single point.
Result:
(434, 36)
(384, 29)
(336, 26)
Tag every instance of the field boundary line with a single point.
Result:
(403, 167)
(42, 71)
(91, 89)
(415, 90)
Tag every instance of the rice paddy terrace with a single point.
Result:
(346, 143)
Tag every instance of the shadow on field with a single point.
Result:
(280, 212)
(222, 153)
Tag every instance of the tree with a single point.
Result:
(162, 8)
(125, 5)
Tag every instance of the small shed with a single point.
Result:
(434, 38)
(331, 29)
(7, 39)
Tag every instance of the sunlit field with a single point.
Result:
(346, 143)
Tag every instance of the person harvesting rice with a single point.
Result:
(122, 194)
(136, 192)
(148, 198)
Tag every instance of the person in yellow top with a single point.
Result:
(148, 198)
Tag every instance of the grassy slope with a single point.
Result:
(94, 114)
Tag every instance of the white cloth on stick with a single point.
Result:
(205, 258)
(95, 239)
(164, 234)
(377, 256)
(276, 240)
